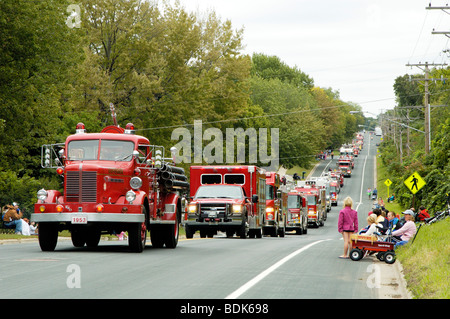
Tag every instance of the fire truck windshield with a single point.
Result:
(311, 200)
(219, 191)
(110, 150)
(293, 201)
(269, 192)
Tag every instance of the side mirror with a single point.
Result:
(255, 199)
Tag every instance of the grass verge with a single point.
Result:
(426, 260)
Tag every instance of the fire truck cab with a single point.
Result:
(334, 190)
(346, 167)
(297, 216)
(316, 213)
(276, 206)
(226, 198)
(112, 183)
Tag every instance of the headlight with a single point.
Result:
(192, 208)
(42, 195)
(135, 183)
(130, 196)
(237, 208)
(269, 210)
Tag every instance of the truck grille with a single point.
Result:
(210, 208)
(81, 187)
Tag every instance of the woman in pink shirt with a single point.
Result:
(347, 224)
(407, 231)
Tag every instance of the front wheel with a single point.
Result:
(356, 254)
(172, 234)
(48, 236)
(137, 235)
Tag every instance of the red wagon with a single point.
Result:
(362, 244)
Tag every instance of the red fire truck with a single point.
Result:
(226, 198)
(276, 206)
(297, 217)
(114, 181)
(334, 190)
(346, 167)
(316, 215)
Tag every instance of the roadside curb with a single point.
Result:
(393, 284)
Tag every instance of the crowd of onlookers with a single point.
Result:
(400, 229)
(12, 217)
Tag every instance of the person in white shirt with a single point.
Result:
(372, 223)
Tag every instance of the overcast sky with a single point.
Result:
(356, 47)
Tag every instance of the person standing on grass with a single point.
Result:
(347, 224)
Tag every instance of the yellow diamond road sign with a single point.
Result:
(414, 183)
(387, 182)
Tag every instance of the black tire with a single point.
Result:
(188, 231)
(48, 236)
(356, 254)
(78, 237)
(243, 231)
(389, 257)
(93, 237)
(156, 236)
(137, 235)
(172, 233)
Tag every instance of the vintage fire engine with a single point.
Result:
(226, 198)
(114, 181)
(316, 211)
(297, 216)
(276, 206)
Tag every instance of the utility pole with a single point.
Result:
(426, 69)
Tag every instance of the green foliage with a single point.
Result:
(434, 167)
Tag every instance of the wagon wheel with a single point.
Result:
(356, 254)
(389, 257)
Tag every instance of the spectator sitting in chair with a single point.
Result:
(408, 230)
(391, 198)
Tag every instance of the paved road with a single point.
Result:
(305, 266)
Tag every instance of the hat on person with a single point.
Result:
(408, 212)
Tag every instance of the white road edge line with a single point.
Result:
(269, 270)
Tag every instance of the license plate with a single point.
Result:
(79, 219)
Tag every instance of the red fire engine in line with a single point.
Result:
(226, 198)
(334, 190)
(276, 206)
(345, 166)
(316, 213)
(297, 217)
(114, 181)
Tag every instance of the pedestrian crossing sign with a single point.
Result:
(414, 182)
(388, 182)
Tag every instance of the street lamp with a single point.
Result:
(401, 124)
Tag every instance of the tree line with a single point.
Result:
(161, 67)
(403, 159)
